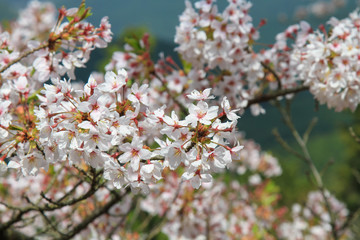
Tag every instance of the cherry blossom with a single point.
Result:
(161, 128)
(200, 96)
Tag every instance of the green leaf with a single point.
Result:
(255, 229)
(34, 96)
(51, 170)
(69, 18)
(187, 66)
(129, 83)
(134, 43)
(271, 187)
(13, 127)
(81, 9)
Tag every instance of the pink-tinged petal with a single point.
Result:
(196, 182)
(21, 84)
(86, 125)
(187, 175)
(14, 164)
(96, 115)
(135, 161)
(144, 153)
(147, 169)
(125, 157)
(84, 107)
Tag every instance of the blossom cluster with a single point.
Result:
(326, 62)
(315, 212)
(110, 125)
(219, 49)
(144, 121)
(67, 47)
(254, 211)
(253, 160)
(34, 22)
(329, 63)
(212, 40)
(166, 199)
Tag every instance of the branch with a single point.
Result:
(285, 145)
(274, 95)
(94, 187)
(97, 213)
(13, 234)
(183, 108)
(318, 180)
(54, 204)
(158, 228)
(353, 134)
(49, 222)
(15, 219)
(309, 129)
(42, 46)
(272, 71)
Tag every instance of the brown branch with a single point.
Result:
(94, 187)
(272, 71)
(274, 95)
(42, 46)
(97, 213)
(159, 227)
(54, 204)
(13, 234)
(18, 217)
(49, 222)
(285, 145)
(183, 108)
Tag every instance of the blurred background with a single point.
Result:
(331, 146)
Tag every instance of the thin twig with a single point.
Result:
(353, 134)
(158, 228)
(94, 187)
(183, 108)
(18, 59)
(97, 213)
(121, 222)
(309, 129)
(352, 218)
(314, 171)
(274, 95)
(285, 145)
(272, 71)
(51, 224)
